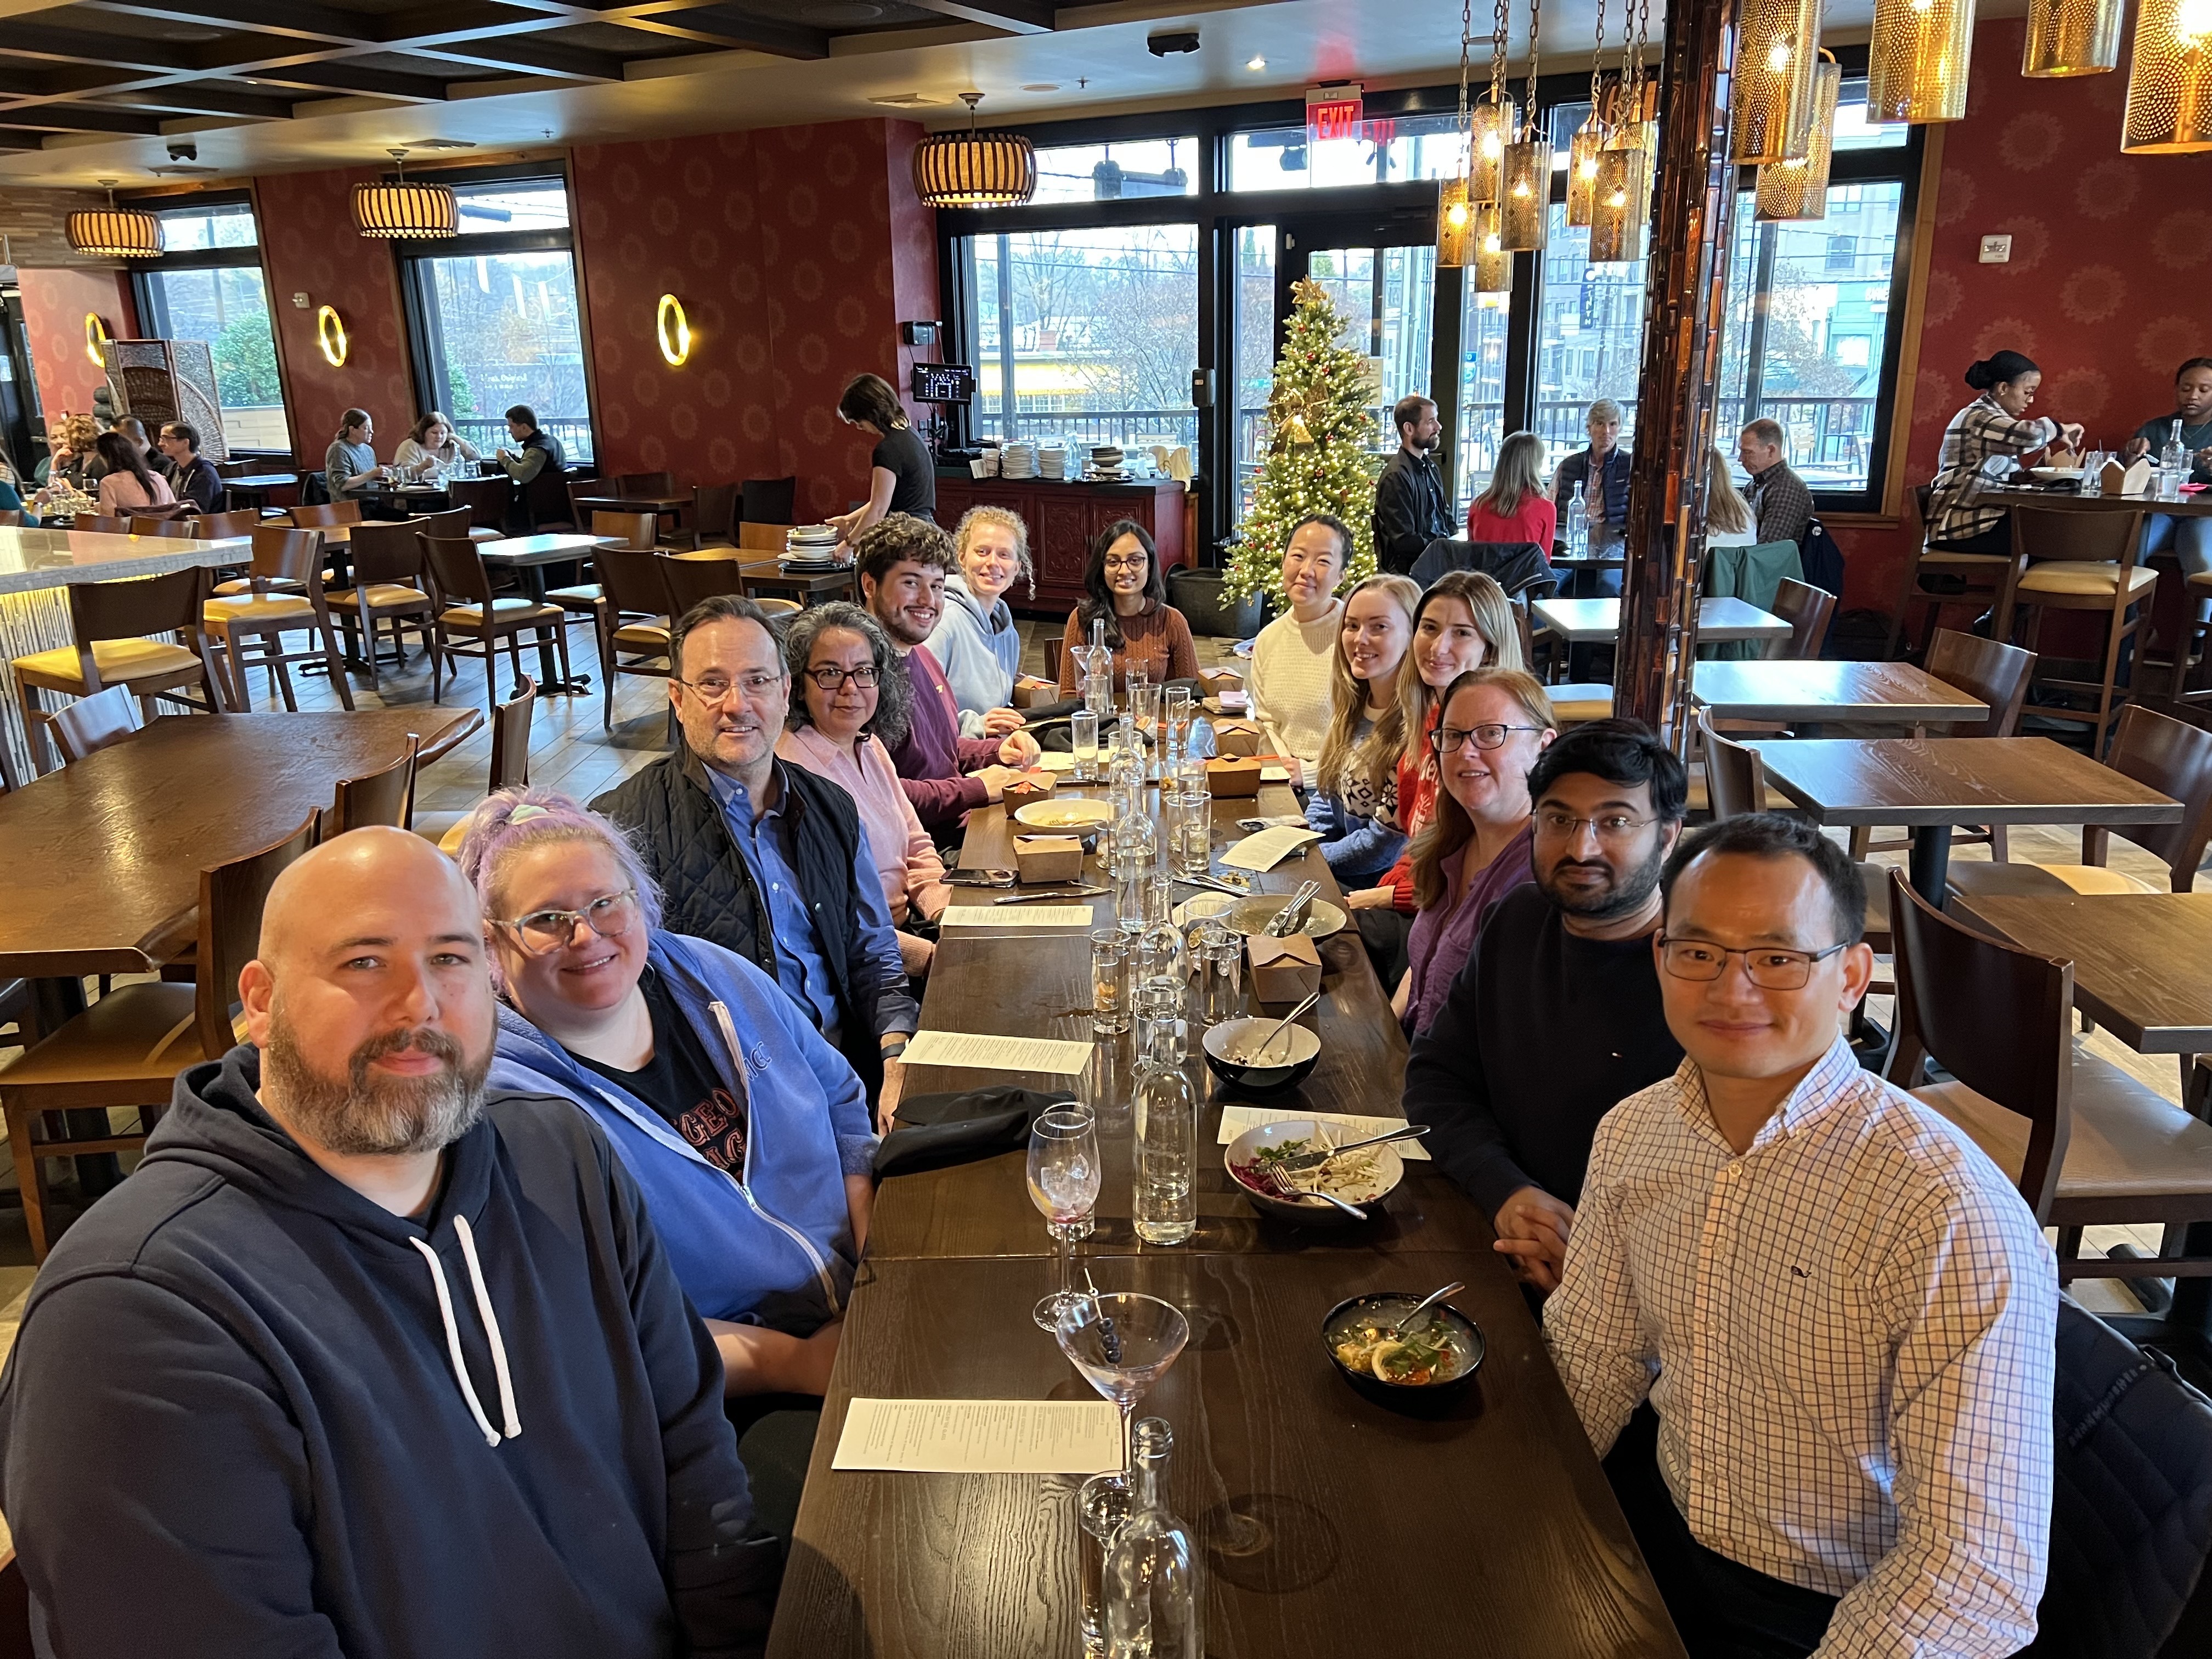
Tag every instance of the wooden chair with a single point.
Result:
(546, 499)
(714, 515)
(693, 577)
(453, 521)
(101, 524)
(762, 538)
(638, 531)
(96, 722)
(325, 515)
(218, 526)
(285, 596)
(11, 516)
(391, 584)
(1807, 609)
(1994, 674)
(469, 610)
(645, 483)
(634, 625)
(127, 1049)
(769, 500)
(2086, 1144)
(510, 769)
(487, 501)
(385, 796)
(2084, 562)
(1980, 575)
(170, 528)
(109, 623)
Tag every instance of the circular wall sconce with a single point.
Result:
(330, 336)
(674, 330)
(95, 336)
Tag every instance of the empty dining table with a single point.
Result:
(1722, 619)
(1814, 690)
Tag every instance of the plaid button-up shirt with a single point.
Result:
(1781, 502)
(1847, 1332)
(1978, 433)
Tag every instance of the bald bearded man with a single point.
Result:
(360, 1361)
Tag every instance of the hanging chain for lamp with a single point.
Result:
(1620, 196)
(2071, 37)
(1771, 114)
(1454, 211)
(1799, 189)
(2170, 79)
(1490, 122)
(1590, 137)
(1524, 200)
(973, 168)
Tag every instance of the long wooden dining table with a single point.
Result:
(1328, 1523)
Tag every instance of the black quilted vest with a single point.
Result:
(708, 890)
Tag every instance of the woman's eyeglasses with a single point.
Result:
(1450, 739)
(830, 676)
(544, 932)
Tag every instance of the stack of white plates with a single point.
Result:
(1017, 461)
(1052, 463)
(809, 546)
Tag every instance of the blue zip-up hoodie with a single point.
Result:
(775, 1248)
(980, 653)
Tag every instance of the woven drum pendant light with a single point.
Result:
(398, 208)
(2071, 37)
(2170, 79)
(1917, 65)
(1772, 118)
(1799, 189)
(1493, 264)
(114, 233)
(975, 169)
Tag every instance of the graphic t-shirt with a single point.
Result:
(681, 1083)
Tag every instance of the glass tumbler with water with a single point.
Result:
(1084, 722)
(1110, 954)
(1102, 1506)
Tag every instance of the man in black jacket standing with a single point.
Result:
(763, 859)
(1410, 508)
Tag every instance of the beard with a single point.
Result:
(362, 1114)
(1626, 896)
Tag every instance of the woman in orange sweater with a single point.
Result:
(1124, 585)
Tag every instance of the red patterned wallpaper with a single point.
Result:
(2111, 260)
(54, 305)
(309, 245)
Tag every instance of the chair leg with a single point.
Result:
(2000, 847)
(227, 649)
(1860, 836)
(560, 650)
(2116, 637)
(281, 672)
(337, 664)
(30, 1180)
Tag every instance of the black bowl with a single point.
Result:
(1403, 1394)
(1299, 1045)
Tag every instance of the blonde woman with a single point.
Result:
(1354, 805)
(1515, 507)
(432, 446)
(975, 642)
(1729, 519)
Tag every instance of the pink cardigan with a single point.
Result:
(906, 859)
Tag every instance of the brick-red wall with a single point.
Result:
(54, 307)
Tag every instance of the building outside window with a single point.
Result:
(208, 286)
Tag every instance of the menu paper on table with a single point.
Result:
(980, 1436)
(1015, 916)
(1054, 760)
(1342, 1126)
(997, 1053)
(1269, 848)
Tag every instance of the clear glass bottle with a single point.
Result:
(1166, 1122)
(2172, 465)
(1155, 1604)
(1135, 852)
(1578, 528)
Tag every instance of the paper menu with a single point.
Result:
(980, 1436)
(1342, 1126)
(997, 1053)
(1015, 916)
(1269, 848)
(1054, 760)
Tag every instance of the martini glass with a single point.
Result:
(1123, 1343)
(1064, 1176)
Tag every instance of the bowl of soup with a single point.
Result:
(1433, 1357)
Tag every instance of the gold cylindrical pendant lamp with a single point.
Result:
(1799, 189)
(1525, 195)
(1582, 169)
(2170, 79)
(1778, 49)
(1493, 265)
(1917, 65)
(1455, 225)
(2071, 37)
(1491, 125)
(1619, 203)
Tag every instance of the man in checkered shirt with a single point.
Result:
(1841, 1313)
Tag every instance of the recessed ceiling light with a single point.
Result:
(1042, 86)
(909, 101)
(1257, 64)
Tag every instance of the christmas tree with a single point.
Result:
(1318, 447)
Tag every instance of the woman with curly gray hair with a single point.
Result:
(849, 699)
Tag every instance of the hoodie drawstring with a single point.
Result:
(491, 1331)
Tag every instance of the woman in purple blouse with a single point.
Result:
(1475, 849)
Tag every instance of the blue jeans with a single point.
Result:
(2189, 539)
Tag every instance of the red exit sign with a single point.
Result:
(1337, 112)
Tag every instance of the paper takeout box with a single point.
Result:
(1236, 738)
(1048, 858)
(2118, 480)
(1034, 693)
(1212, 682)
(1034, 786)
(1239, 775)
(1283, 970)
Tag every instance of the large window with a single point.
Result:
(1390, 148)
(208, 286)
(495, 316)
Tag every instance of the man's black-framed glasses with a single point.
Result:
(1771, 967)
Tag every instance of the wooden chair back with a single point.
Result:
(133, 607)
(645, 483)
(294, 556)
(485, 500)
(1998, 1018)
(11, 515)
(101, 524)
(1807, 609)
(776, 609)
(1988, 670)
(510, 738)
(446, 523)
(93, 723)
(385, 796)
(762, 537)
(458, 570)
(715, 513)
(177, 530)
(638, 531)
(690, 581)
(769, 500)
(545, 498)
(2045, 534)
(322, 515)
(218, 526)
(231, 899)
(1735, 781)
(636, 583)
(1054, 650)
(2174, 758)
(388, 551)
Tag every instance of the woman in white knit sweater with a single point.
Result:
(1291, 657)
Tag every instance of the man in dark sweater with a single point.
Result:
(1410, 508)
(1556, 1018)
(191, 473)
(269, 1396)
(902, 563)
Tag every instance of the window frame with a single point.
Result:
(152, 310)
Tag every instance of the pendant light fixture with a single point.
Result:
(975, 169)
(1799, 189)
(2170, 79)
(114, 233)
(1489, 123)
(1590, 137)
(1524, 172)
(1772, 114)
(1620, 195)
(2071, 37)
(392, 208)
(1454, 212)
(1493, 265)
(1917, 65)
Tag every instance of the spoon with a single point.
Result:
(1252, 1056)
(1398, 1326)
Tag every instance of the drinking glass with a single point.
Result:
(1123, 1342)
(1102, 1504)
(1107, 1086)
(1222, 992)
(1162, 1002)
(1084, 722)
(1192, 847)
(1064, 1175)
(1145, 706)
(1174, 711)
(1109, 981)
(1098, 691)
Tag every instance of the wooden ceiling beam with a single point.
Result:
(1015, 16)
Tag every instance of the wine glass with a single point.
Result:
(1123, 1343)
(1064, 1175)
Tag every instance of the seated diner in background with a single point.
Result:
(901, 562)
(848, 683)
(271, 1396)
(1781, 505)
(975, 641)
(1354, 803)
(1294, 654)
(535, 449)
(1984, 441)
(763, 857)
(350, 465)
(1124, 587)
(73, 439)
(1493, 723)
(1410, 509)
(902, 472)
(12, 499)
(1600, 472)
(2190, 538)
(129, 485)
(1841, 1315)
(191, 474)
(1555, 1019)
(1515, 506)
(1730, 521)
(133, 431)
(432, 449)
(748, 1135)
